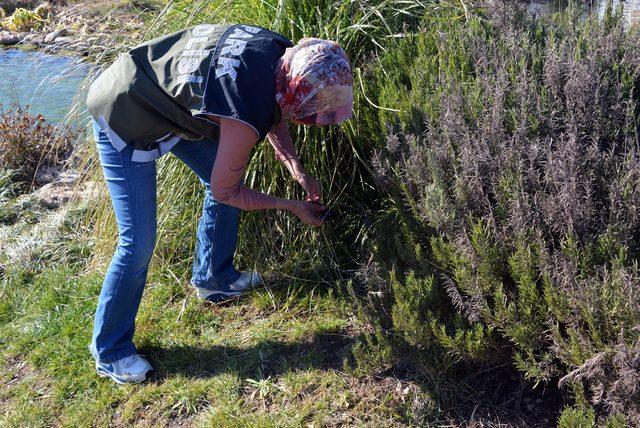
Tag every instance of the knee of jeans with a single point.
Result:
(136, 253)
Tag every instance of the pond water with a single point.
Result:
(46, 82)
(631, 8)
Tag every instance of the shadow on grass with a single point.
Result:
(487, 395)
(268, 358)
(491, 395)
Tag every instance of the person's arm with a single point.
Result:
(236, 141)
(282, 144)
(285, 150)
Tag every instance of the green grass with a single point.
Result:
(274, 358)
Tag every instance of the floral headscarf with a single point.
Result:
(314, 85)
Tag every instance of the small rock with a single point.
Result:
(51, 197)
(34, 39)
(52, 36)
(63, 40)
(7, 38)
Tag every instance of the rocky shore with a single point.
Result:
(81, 28)
(54, 40)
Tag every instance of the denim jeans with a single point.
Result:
(132, 187)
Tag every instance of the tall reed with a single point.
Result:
(336, 155)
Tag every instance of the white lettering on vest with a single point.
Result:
(190, 78)
(188, 65)
(191, 58)
(234, 45)
(239, 34)
(195, 52)
(228, 67)
(250, 29)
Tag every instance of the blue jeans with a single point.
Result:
(132, 187)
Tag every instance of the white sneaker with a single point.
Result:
(131, 369)
(246, 282)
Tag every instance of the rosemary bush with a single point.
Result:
(512, 173)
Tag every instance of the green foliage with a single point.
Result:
(511, 153)
(372, 354)
(412, 313)
(616, 421)
(577, 418)
(26, 20)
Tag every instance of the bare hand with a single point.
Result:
(311, 213)
(312, 187)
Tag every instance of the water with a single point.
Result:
(631, 8)
(46, 82)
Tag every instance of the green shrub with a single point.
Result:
(25, 20)
(577, 418)
(512, 166)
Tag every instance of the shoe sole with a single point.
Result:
(103, 373)
(219, 297)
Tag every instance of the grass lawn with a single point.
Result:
(275, 358)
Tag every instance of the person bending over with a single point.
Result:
(207, 94)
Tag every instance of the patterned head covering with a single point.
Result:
(314, 85)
